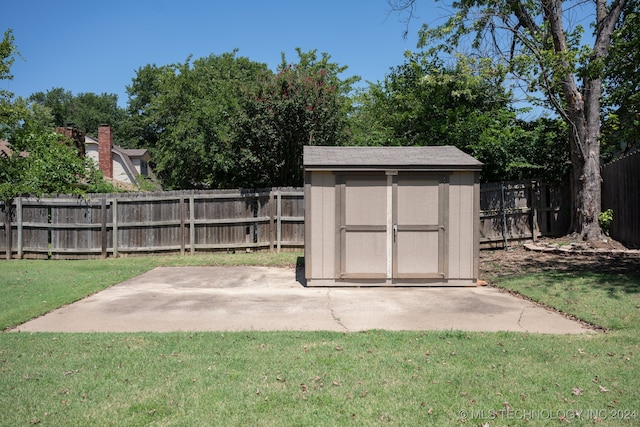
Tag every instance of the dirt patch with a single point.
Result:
(571, 256)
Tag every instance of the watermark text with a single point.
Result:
(549, 414)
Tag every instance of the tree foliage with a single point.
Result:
(85, 111)
(37, 160)
(8, 54)
(9, 115)
(303, 104)
(423, 102)
(621, 132)
(225, 121)
(40, 161)
(185, 114)
(537, 44)
(142, 127)
(513, 149)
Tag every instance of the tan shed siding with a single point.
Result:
(329, 225)
(454, 227)
(315, 239)
(476, 225)
(467, 248)
(308, 224)
(461, 226)
(322, 237)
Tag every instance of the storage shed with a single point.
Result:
(391, 216)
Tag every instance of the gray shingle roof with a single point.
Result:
(132, 152)
(371, 158)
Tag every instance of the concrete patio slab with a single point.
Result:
(267, 299)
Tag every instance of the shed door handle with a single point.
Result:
(395, 232)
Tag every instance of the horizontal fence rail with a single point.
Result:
(189, 222)
(186, 222)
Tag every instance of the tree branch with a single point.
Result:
(605, 24)
(408, 6)
(523, 16)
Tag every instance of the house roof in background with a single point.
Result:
(131, 152)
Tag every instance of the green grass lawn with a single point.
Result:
(317, 378)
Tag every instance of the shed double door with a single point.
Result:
(392, 226)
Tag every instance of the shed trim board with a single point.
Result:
(386, 216)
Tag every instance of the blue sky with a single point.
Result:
(97, 46)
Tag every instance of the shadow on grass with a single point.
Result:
(613, 272)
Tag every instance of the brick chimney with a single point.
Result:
(105, 158)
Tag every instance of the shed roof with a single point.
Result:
(377, 158)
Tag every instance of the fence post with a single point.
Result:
(7, 239)
(254, 211)
(103, 229)
(192, 224)
(504, 218)
(278, 219)
(114, 206)
(271, 219)
(182, 233)
(19, 221)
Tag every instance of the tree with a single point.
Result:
(143, 126)
(423, 102)
(58, 101)
(85, 111)
(621, 116)
(185, 114)
(36, 160)
(9, 115)
(537, 45)
(303, 104)
(513, 149)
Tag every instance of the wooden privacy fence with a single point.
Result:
(229, 220)
(184, 222)
(515, 211)
(620, 191)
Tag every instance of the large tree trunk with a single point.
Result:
(582, 113)
(584, 141)
(586, 180)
